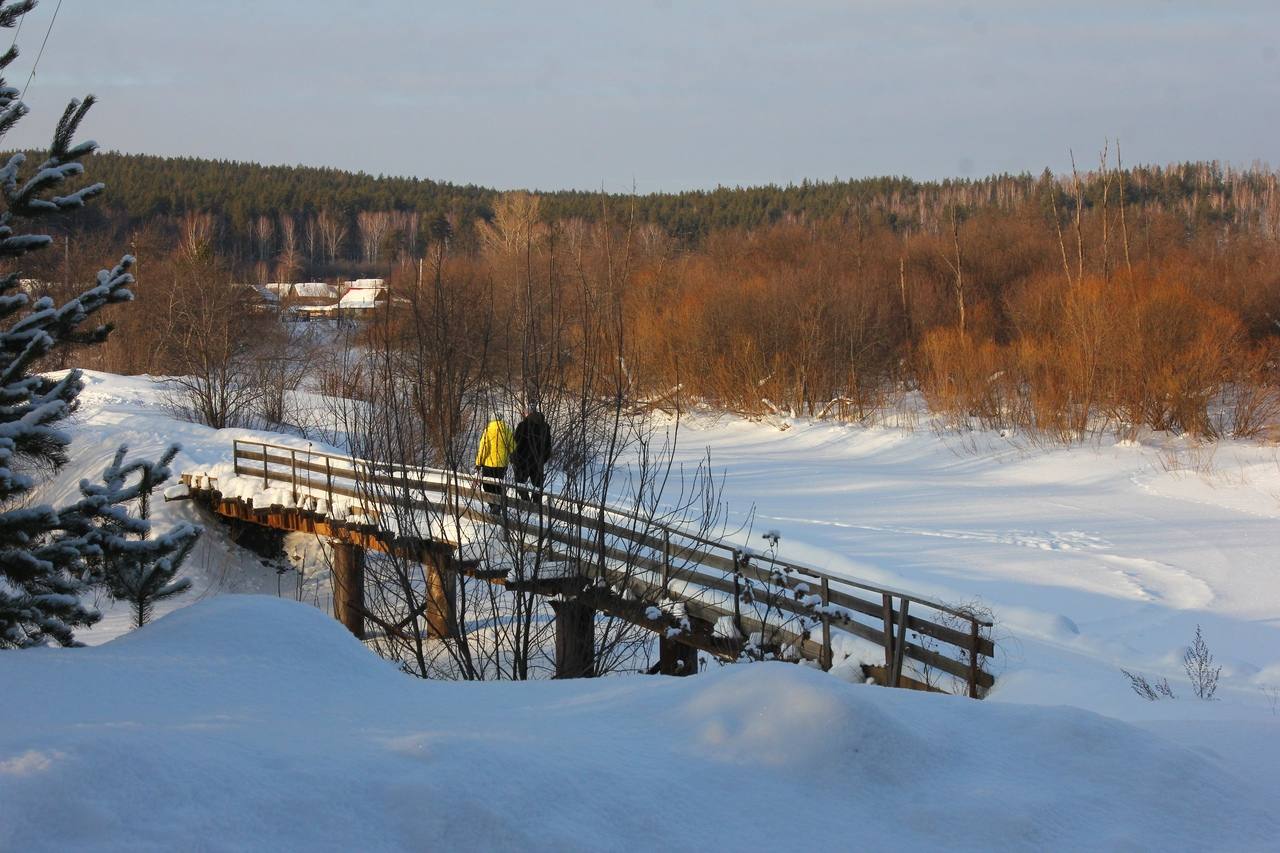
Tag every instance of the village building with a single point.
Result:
(362, 295)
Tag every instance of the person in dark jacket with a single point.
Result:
(533, 449)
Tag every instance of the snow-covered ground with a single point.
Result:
(248, 722)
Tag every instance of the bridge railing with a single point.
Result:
(778, 603)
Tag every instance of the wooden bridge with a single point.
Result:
(695, 591)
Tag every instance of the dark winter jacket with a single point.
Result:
(533, 443)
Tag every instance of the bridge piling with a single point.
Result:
(441, 596)
(676, 658)
(575, 639)
(348, 586)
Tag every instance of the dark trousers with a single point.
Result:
(490, 473)
(534, 476)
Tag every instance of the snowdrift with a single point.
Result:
(254, 723)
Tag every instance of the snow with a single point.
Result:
(251, 722)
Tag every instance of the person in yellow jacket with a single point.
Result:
(496, 444)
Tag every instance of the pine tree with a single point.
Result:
(142, 573)
(50, 557)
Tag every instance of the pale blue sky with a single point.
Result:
(666, 95)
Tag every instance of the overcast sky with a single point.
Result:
(662, 94)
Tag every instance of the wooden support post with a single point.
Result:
(266, 481)
(973, 658)
(900, 645)
(827, 655)
(675, 657)
(600, 545)
(575, 639)
(348, 586)
(441, 595)
(293, 466)
(235, 456)
(666, 563)
(328, 483)
(737, 596)
(888, 633)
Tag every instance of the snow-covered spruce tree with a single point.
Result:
(142, 573)
(51, 556)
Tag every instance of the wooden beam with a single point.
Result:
(368, 536)
(881, 676)
(900, 644)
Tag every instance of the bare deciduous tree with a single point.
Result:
(208, 333)
(333, 232)
(372, 226)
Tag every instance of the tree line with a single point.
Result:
(160, 192)
(1120, 298)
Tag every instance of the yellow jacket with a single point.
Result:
(496, 445)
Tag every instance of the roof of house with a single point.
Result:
(265, 292)
(363, 297)
(304, 289)
(315, 290)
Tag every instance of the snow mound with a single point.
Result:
(251, 723)
(1018, 777)
(256, 630)
(776, 717)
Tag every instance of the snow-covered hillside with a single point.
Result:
(252, 723)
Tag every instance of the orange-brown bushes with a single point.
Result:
(1147, 354)
(963, 377)
(777, 322)
(1177, 350)
(1250, 405)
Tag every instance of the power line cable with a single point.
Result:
(18, 31)
(42, 44)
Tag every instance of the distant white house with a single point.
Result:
(264, 298)
(364, 294)
(313, 292)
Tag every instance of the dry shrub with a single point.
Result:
(1176, 352)
(784, 320)
(1150, 353)
(1250, 405)
(964, 378)
(1054, 401)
